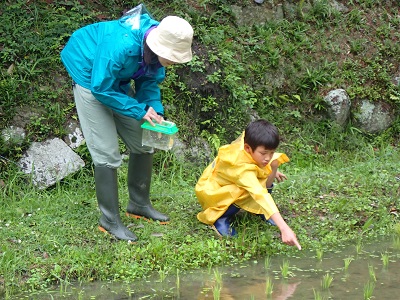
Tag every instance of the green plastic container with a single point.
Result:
(160, 136)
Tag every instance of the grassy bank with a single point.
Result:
(51, 236)
(280, 68)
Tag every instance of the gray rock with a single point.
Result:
(339, 103)
(373, 117)
(396, 81)
(74, 137)
(250, 15)
(290, 10)
(339, 6)
(13, 135)
(198, 153)
(49, 162)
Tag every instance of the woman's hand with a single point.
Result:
(151, 115)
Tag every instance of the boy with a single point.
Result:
(241, 177)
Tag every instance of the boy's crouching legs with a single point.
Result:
(223, 225)
(269, 221)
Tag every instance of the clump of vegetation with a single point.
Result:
(280, 69)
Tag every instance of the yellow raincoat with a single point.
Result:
(234, 178)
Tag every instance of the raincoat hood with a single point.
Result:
(235, 155)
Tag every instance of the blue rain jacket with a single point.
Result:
(102, 57)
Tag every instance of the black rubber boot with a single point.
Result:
(139, 179)
(107, 198)
(223, 225)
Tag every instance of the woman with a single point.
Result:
(116, 67)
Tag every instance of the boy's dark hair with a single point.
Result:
(261, 133)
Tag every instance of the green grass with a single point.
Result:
(51, 236)
(326, 281)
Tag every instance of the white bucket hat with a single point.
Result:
(172, 39)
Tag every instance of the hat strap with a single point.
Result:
(148, 31)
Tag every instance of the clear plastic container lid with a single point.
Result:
(165, 127)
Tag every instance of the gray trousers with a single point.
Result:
(101, 128)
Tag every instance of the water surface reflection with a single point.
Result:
(370, 271)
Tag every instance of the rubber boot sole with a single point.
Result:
(105, 231)
(146, 219)
(216, 231)
(220, 235)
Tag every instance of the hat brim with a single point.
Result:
(176, 53)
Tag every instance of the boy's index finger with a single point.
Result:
(297, 244)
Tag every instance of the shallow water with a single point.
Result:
(373, 267)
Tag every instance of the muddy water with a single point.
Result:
(358, 271)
